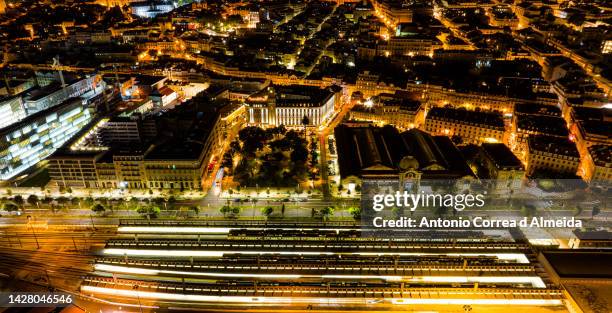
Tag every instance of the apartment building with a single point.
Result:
(597, 164)
(190, 140)
(471, 126)
(392, 12)
(388, 109)
(503, 168)
(526, 125)
(591, 126)
(551, 154)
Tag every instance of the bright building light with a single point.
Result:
(205, 229)
(173, 230)
(535, 302)
(323, 300)
(516, 257)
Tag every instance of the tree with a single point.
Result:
(280, 130)
(314, 158)
(396, 212)
(10, 207)
(89, 201)
(98, 208)
(46, 200)
(327, 212)
(154, 211)
(234, 147)
(355, 212)
(195, 209)
(149, 211)
(33, 200)
(159, 201)
(299, 154)
(305, 122)
(171, 201)
(267, 211)
(18, 199)
(61, 200)
(228, 161)
(528, 210)
(441, 211)
(133, 203)
(253, 139)
(225, 210)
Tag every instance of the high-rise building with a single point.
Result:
(11, 110)
(189, 140)
(54, 93)
(25, 143)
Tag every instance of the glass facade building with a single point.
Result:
(31, 140)
(11, 111)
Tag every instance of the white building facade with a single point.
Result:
(288, 106)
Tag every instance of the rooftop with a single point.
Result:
(493, 119)
(554, 145)
(39, 93)
(601, 155)
(594, 114)
(502, 156)
(581, 264)
(536, 109)
(41, 115)
(542, 124)
(365, 150)
(295, 95)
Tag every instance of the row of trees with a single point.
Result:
(33, 200)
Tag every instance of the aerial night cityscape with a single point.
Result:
(447, 156)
